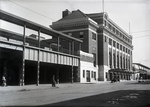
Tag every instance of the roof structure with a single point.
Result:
(32, 25)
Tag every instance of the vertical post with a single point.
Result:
(72, 72)
(58, 39)
(112, 58)
(38, 62)
(23, 59)
(69, 47)
(58, 50)
(119, 57)
(103, 6)
(72, 62)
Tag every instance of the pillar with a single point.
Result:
(112, 58)
(38, 62)
(119, 56)
(23, 59)
(72, 62)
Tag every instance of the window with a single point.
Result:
(117, 45)
(92, 74)
(110, 41)
(70, 34)
(110, 59)
(95, 75)
(114, 43)
(114, 30)
(105, 39)
(83, 73)
(94, 59)
(106, 74)
(81, 36)
(120, 47)
(105, 23)
(93, 36)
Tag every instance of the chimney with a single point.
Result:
(65, 13)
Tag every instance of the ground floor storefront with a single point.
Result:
(120, 74)
(11, 65)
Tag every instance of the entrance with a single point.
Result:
(10, 65)
(88, 76)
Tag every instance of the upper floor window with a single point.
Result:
(114, 43)
(117, 45)
(93, 36)
(81, 35)
(110, 41)
(105, 39)
(70, 34)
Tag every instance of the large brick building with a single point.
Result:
(109, 44)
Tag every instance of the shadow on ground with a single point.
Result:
(139, 82)
(121, 98)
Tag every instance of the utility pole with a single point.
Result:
(103, 6)
(129, 28)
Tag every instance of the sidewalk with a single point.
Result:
(43, 86)
(33, 87)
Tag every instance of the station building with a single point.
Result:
(109, 44)
(141, 71)
(34, 57)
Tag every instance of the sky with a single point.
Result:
(133, 16)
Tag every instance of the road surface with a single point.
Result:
(120, 94)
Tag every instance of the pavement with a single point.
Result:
(43, 86)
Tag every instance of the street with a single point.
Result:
(104, 94)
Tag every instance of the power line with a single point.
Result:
(141, 31)
(31, 10)
(141, 36)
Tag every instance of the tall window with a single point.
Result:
(114, 43)
(94, 59)
(117, 45)
(110, 41)
(83, 73)
(110, 59)
(93, 36)
(105, 39)
(114, 58)
(118, 61)
(95, 75)
(121, 61)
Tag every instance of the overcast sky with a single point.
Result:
(122, 12)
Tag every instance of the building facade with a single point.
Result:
(110, 45)
(36, 54)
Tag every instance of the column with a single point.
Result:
(112, 58)
(72, 62)
(125, 60)
(23, 59)
(116, 56)
(38, 62)
(130, 59)
(58, 39)
(122, 61)
(119, 57)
